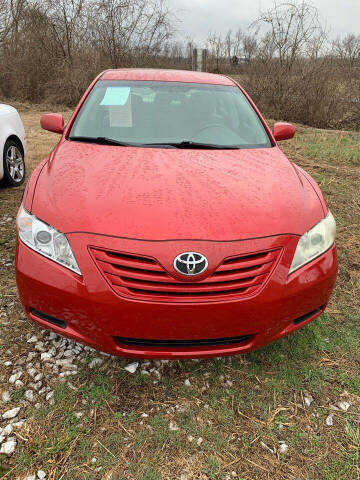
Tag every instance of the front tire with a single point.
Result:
(14, 164)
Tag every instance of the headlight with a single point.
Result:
(45, 240)
(314, 242)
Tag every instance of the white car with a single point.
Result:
(12, 147)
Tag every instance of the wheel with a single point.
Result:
(14, 164)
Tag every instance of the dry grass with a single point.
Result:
(233, 404)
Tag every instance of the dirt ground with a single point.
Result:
(288, 411)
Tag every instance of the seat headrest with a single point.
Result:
(163, 100)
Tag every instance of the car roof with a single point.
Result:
(162, 75)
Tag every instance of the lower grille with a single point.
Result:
(139, 276)
(48, 318)
(212, 342)
(305, 317)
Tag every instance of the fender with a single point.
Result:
(314, 186)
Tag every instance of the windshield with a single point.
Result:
(169, 113)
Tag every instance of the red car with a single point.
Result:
(167, 222)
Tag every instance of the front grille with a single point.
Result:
(212, 342)
(143, 277)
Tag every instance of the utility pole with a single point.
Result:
(199, 59)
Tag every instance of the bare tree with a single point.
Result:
(228, 43)
(67, 21)
(215, 46)
(232, 45)
(131, 28)
(348, 49)
(10, 13)
(291, 27)
(238, 42)
(249, 46)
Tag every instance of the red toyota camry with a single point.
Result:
(167, 222)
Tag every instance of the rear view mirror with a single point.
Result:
(283, 131)
(54, 122)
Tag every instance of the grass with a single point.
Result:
(332, 146)
(232, 404)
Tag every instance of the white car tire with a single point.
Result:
(14, 164)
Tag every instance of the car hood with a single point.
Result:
(6, 109)
(159, 194)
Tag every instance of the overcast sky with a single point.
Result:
(199, 17)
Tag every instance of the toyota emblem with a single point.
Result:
(190, 263)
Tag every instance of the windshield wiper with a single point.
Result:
(104, 141)
(183, 144)
(191, 144)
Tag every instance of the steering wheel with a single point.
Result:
(210, 125)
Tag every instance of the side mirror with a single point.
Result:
(54, 122)
(283, 131)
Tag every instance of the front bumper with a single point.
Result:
(96, 315)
